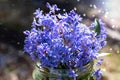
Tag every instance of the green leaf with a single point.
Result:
(97, 27)
(104, 54)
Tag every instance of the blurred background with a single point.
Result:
(17, 16)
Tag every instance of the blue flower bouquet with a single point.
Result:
(62, 47)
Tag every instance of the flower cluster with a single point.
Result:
(62, 40)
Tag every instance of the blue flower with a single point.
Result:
(52, 8)
(62, 40)
(98, 74)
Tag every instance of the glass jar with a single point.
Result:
(41, 73)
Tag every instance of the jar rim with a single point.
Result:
(86, 69)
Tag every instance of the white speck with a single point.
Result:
(113, 26)
(93, 15)
(75, 8)
(106, 14)
(118, 51)
(112, 20)
(69, 49)
(18, 43)
(84, 14)
(103, 3)
(99, 10)
(104, 69)
(110, 49)
(78, 0)
(91, 5)
(64, 10)
(94, 6)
